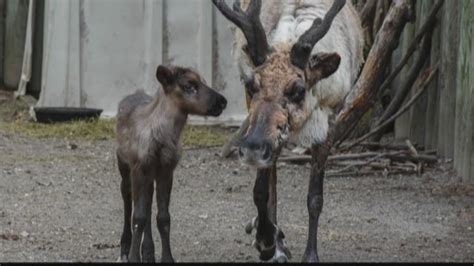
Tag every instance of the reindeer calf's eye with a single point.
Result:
(189, 89)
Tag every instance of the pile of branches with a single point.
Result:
(371, 158)
(375, 79)
(372, 14)
(419, 75)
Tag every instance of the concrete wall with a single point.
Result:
(96, 52)
(14, 41)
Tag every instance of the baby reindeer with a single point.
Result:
(148, 137)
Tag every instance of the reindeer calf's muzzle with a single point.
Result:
(256, 152)
(219, 103)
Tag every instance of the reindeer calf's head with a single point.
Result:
(280, 81)
(189, 91)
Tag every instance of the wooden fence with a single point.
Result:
(442, 117)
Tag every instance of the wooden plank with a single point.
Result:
(2, 40)
(464, 122)
(16, 16)
(449, 26)
(402, 124)
(432, 95)
(418, 111)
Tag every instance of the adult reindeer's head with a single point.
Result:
(281, 78)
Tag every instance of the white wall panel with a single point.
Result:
(98, 51)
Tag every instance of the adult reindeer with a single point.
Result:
(296, 69)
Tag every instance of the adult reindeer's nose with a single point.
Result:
(256, 152)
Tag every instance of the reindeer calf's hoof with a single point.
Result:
(313, 258)
(123, 258)
(167, 260)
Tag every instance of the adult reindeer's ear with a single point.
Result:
(165, 76)
(321, 66)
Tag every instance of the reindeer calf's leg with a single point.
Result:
(126, 190)
(141, 198)
(148, 247)
(163, 192)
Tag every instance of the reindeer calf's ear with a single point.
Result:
(324, 64)
(165, 75)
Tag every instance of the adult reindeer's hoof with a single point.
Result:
(278, 253)
(282, 253)
(275, 251)
(266, 253)
(251, 225)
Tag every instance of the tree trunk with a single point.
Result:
(362, 96)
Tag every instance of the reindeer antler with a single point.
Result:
(301, 50)
(250, 24)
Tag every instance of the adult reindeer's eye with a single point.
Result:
(297, 93)
(251, 87)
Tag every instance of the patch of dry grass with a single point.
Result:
(14, 119)
(104, 129)
(204, 136)
(99, 129)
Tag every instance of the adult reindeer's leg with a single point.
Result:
(142, 198)
(164, 183)
(272, 192)
(315, 200)
(126, 189)
(271, 203)
(148, 247)
(266, 230)
(269, 238)
(282, 254)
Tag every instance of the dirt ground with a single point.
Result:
(60, 201)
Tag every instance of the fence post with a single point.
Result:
(464, 141)
(402, 124)
(449, 24)
(2, 38)
(418, 110)
(432, 95)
